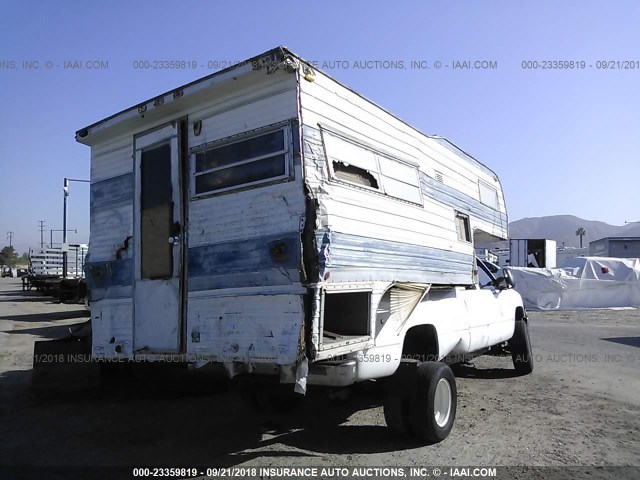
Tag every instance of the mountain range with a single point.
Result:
(562, 229)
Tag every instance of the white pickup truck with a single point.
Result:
(448, 325)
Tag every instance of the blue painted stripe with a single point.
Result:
(265, 278)
(244, 263)
(342, 250)
(111, 293)
(112, 190)
(111, 273)
(460, 201)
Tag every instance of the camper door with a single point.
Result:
(158, 242)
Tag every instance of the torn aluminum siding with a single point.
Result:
(367, 231)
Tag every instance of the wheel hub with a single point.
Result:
(442, 402)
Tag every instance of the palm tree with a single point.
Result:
(581, 232)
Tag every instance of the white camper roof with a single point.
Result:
(179, 100)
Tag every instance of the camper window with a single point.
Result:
(400, 180)
(462, 227)
(249, 161)
(358, 165)
(488, 195)
(353, 174)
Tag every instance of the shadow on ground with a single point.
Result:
(631, 341)
(465, 370)
(132, 420)
(47, 317)
(52, 331)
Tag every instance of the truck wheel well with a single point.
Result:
(421, 343)
(520, 315)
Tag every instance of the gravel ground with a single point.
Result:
(580, 407)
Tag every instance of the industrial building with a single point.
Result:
(619, 247)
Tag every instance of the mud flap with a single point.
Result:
(64, 365)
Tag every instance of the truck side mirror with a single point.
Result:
(506, 281)
(508, 278)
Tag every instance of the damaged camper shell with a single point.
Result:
(268, 219)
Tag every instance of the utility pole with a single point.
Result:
(10, 237)
(41, 233)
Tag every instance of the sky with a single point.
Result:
(562, 141)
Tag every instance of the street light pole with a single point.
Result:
(65, 188)
(41, 233)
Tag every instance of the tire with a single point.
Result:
(396, 415)
(432, 410)
(520, 347)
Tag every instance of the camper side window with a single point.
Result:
(350, 162)
(488, 195)
(245, 162)
(462, 227)
(361, 166)
(399, 180)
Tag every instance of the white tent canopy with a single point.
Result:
(582, 282)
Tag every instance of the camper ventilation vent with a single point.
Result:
(439, 177)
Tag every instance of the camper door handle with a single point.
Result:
(174, 240)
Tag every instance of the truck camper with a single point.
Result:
(271, 221)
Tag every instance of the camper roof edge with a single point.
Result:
(278, 53)
(83, 135)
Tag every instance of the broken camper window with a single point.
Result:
(358, 165)
(351, 163)
(249, 161)
(353, 174)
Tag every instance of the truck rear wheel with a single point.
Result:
(520, 347)
(432, 410)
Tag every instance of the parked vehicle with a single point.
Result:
(9, 272)
(280, 225)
